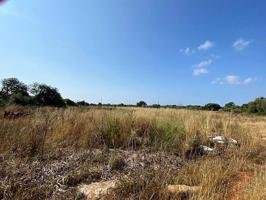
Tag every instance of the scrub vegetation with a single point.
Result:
(47, 153)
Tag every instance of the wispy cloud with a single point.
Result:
(233, 80)
(187, 51)
(201, 68)
(249, 80)
(205, 46)
(204, 63)
(200, 71)
(241, 44)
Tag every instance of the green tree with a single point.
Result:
(45, 95)
(69, 102)
(261, 105)
(230, 106)
(244, 107)
(12, 86)
(82, 103)
(141, 104)
(212, 107)
(156, 106)
(257, 106)
(20, 99)
(2, 101)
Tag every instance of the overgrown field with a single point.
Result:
(47, 153)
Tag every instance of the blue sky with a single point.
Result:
(160, 51)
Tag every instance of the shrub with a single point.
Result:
(82, 103)
(257, 106)
(113, 133)
(229, 106)
(141, 104)
(19, 99)
(69, 102)
(171, 135)
(212, 107)
(12, 86)
(47, 96)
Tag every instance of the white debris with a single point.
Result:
(222, 140)
(233, 141)
(206, 149)
(217, 139)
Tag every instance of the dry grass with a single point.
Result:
(47, 131)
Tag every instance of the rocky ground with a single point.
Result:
(57, 176)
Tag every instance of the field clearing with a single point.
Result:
(50, 152)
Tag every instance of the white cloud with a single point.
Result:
(201, 68)
(204, 63)
(218, 81)
(241, 44)
(205, 46)
(233, 80)
(187, 51)
(249, 80)
(200, 71)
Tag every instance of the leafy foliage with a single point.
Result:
(13, 91)
(47, 96)
(69, 102)
(258, 106)
(141, 104)
(82, 103)
(20, 99)
(212, 107)
(12, 86)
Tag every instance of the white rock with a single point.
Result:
(181, 189)
(97, 190)
(206, 149)
(233, 141)
(222, 140)
(217, 139)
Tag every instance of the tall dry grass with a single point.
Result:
(50, 129)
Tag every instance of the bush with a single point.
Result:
(229, 106)
(171, 135)
(155, 106)
(69, 102)
(113, 133)
(47, 96)
(212, 107)
(82, 103)
(19, 99)
(141, 104)
(257, 106)
(12, 86)
(2, 101)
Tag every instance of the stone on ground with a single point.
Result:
(183, 189)
(97, 190)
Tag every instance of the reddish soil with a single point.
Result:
(242, 180)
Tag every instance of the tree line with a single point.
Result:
(15, 92)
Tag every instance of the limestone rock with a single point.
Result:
(97, 190)
(183, 189)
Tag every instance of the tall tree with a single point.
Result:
(12, 86)
(47, 96)
(141, 104)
